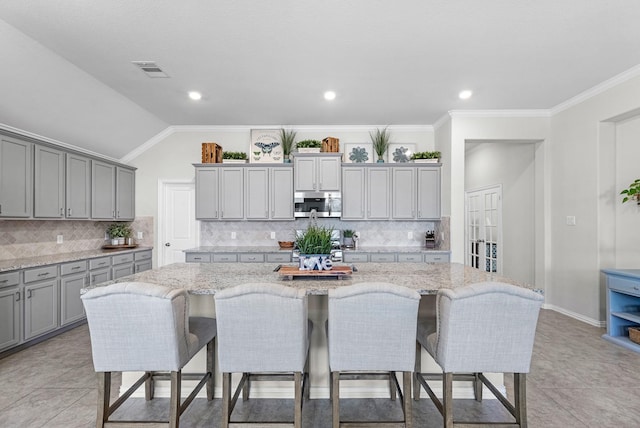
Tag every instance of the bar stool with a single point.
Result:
(263, 333)
(371, 335)
(485, 327)
(146, 327)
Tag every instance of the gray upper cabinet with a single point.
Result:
(281, 192)
(103, 190)
(48, 183)
(403, 191)
(429, 206)
(317, 173)
(16, 186)
(257, 193)
(269, 193)
(125, 194)
(232, 193)
(207, 191)
(78, 186)
(378, 198)
(353, 193)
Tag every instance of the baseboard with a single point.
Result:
(575, 315)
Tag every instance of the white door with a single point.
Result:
(484, 229)
(177, 225)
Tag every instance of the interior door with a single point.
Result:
(177, 222)
(484, 229)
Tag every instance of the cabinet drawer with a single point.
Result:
(123, 258)
(252, 258)
(355, 257)
(73, 267)
(198, 258)
(625, 285)
(100, 263)
(284, 257)
(410, 258)
(142, 255)
(99, 275)
(38, 274)
(10, 278)
(383, 257)
(436, 258)
(222, 258)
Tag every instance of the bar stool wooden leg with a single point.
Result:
(406, 399)
(174, 402)
(417, 369)
(104, 397)
(447, 399)
(335, 398)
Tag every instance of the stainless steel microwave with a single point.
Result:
(320, 204)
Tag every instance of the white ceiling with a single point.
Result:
(66, 71)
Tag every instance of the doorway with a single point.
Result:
(178, 229)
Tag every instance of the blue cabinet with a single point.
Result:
(623, 305)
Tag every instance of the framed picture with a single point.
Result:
(266, 146)
(359, 153)
(400, 152)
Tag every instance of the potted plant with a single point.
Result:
(633, 192)
(309, 146)
(381, 141)
(314, 245)
(426, 157)
(118, 232)
(287, 138)
(347, 235)
(234, 157)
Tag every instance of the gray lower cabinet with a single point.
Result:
(122, 265)
(99, 275)
(363, 257)
(142, 261)
(279, 257)
(10, 310)
(252, 258)
(40, 301)
(198, 258)
(16, 185)
(73, 278)
(284, 257)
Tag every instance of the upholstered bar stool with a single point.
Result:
(263, 333)
(371, 330)
(481, 328)
(146, 327)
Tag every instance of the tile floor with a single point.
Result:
(577, 380)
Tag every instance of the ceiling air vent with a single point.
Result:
(150, 68)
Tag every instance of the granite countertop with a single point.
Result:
(274, 249)
(207, 278)
(50, 259)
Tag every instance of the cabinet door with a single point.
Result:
(125, 194)
(353, 193)
(207, 191)
(71, 308)
(305, 174)
(378, 199)
(329, 170)
(99, 275)
(281, 183)
(121, 270)
(142, 266)
(41, 308)
(403, 193)
(257, 193)
(78, 186)
(231, 193)
(103, 190)
(429, 193)
(10, 316)
(48, 183)
(16, 185)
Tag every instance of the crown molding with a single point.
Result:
(598, 89)
(444, 119)
(500, 113)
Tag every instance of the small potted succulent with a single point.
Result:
(347, 238)
(234, 157)
(309, 146)
(118, 232)
(381, 141)
(287, 138)
(426, 157)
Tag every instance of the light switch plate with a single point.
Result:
(140, 235)
(273, 235)
(59, 239)
(233, 235)
(571, 220)
(410, 235)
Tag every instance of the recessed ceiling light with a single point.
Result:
(194, 95)
(465, 95)
(329, 95)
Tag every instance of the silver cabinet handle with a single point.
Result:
(118, 213)
(61, 212)
(17, 296)
(28, 294)
(70, 212)
(4, 281)
(75, 268)
(113, 214)
(102, 263)
(43, 274)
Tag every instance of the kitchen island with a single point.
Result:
(202, 280)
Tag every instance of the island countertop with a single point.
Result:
(205, 278)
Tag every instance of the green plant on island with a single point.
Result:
(234, 155)
(119, 230)
(426, 155)
(287, 138)
(315, 144)
(632, 192)
(314, 240)
(381, 140)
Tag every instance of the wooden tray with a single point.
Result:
(293, 272)
(115, 247)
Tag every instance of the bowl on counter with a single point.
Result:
(285, 244)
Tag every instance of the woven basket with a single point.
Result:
(634, 334)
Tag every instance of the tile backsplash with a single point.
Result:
(33, 238)
(372, 233)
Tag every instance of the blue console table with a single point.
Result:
(623, 305)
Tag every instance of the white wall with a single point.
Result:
(512, 165)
